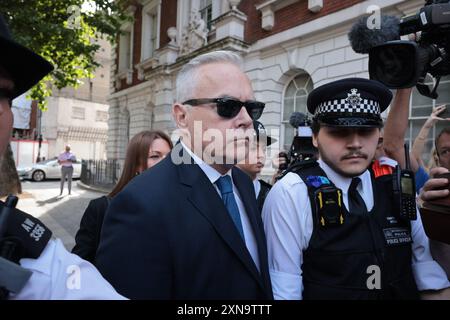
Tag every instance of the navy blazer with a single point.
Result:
(168, 235)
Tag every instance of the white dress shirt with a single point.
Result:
(257, 185)
(213, 175)
(61, 275)
(288, 224)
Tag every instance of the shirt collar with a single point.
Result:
(342, 182)
(212, 174)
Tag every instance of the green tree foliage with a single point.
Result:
(63, 32)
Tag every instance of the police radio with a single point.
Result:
(404, 187)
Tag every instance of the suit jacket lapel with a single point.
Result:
(247, 196)
(204, 197)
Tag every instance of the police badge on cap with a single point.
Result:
(353, 102)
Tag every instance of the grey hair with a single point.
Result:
(187, 77)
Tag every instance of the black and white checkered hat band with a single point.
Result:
(340, 106)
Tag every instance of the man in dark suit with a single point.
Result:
(190, 227)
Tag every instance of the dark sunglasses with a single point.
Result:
(6, 94)
(230, 107)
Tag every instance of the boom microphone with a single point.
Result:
(362, 38)
(298, 119)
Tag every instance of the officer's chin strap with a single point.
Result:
(21, 236)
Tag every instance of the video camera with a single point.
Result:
(404, 64)
(302, 147)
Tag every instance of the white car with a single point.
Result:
(48, 169)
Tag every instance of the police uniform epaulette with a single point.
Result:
(300, 165)
(28, 235)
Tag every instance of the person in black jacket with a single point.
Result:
(255, 161)
(144, 150)
(189, 228)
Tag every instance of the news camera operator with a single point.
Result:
(47, 270)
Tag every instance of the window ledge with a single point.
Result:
(269, 7)
(148, 63)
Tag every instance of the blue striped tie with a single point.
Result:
(226, 190)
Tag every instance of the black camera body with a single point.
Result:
(403, 64)
(302, 147)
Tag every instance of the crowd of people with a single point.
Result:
(193, 221)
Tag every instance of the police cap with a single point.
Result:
(352, 102)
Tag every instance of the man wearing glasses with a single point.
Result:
(190, 228)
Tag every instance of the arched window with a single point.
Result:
(294, 100)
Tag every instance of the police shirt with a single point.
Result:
(61, 275)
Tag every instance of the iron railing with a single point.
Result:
(100, 173)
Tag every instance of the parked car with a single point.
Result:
(48, 169)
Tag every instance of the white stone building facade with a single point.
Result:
(283, 66)
(79, 117)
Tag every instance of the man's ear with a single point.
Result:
(180, 115)
(314, 140)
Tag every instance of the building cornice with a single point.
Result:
(332, 20)
(128, 91)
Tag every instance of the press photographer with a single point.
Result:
(302, 148)
(402, 64)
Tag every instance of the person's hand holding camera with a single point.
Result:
(435, 188)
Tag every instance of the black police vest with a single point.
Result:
(345, 261)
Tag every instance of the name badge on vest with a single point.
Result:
(397, 236)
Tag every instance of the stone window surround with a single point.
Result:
(152, 7)
(185, 6)
(127, 73)
(78, 113)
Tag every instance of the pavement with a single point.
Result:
(62, 214)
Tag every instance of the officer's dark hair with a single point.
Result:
(446, 130)
(315, 127)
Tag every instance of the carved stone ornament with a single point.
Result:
(172, 34)
(234, 4)
(195, 36)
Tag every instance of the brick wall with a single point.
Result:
(287, 17)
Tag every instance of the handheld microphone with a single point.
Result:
(298, 119)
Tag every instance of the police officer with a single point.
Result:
(331, 227)
(255, 161)
(55, 273)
